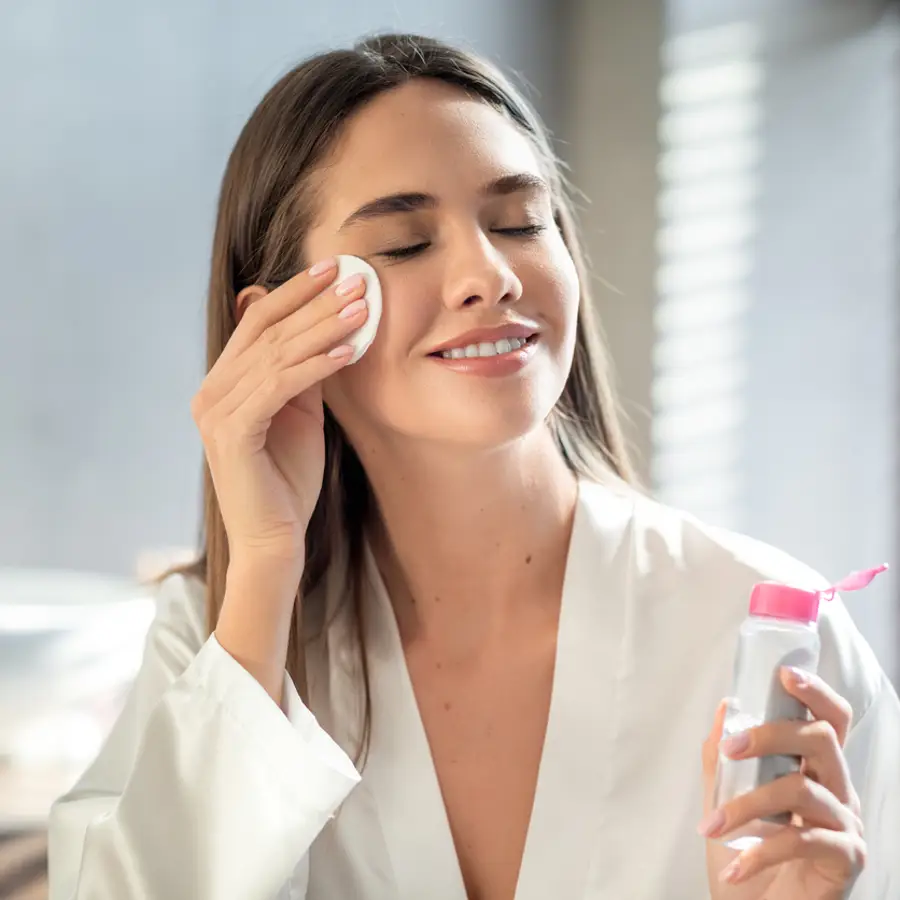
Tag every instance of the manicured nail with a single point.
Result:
(351, 309)
(712, 823)
(732, 872)
(798, 676)
(320, 268)
(736, 743)
(349, 285)
(341, 351)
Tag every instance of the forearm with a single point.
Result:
(255, 619)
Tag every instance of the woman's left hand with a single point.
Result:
(820, 854)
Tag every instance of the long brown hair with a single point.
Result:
(264, 212)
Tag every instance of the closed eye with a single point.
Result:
(522, 231)
(404, 252)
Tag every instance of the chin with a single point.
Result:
(484, 433)
(481, 423)
(457, 411)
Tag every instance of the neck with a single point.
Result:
(465, 541)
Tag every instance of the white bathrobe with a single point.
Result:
(206, 790)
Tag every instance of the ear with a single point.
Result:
(247, 296)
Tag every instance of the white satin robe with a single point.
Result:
(206, 790)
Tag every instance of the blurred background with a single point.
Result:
(740, 164)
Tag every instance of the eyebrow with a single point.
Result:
(407, 202)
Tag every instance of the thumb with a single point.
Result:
(710, 753)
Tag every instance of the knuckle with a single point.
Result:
(799, 787)
(845, 713)
(198, 406)
(825, 734)
(272, 351)
(254, 316)
(271, 335)
(275, 384)
(858, 853)
(204, 417)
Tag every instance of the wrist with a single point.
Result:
(254, 622)
(270, 570)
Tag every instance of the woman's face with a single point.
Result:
(468, 255)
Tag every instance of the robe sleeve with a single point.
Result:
(872, 748)
(873, 754)
(205, 788)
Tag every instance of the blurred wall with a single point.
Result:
(760, 364)
(117, 120)
(776, 417)
(611, 115)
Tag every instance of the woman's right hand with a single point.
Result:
(259, 410)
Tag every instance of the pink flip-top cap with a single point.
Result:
(780, 601)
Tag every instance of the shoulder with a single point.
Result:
(709, 573)
(669, 541)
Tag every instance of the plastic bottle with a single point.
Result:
(781, 630)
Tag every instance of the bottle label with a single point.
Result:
(781, 705)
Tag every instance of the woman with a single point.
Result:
(507, 657)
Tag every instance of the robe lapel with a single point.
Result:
(399, 771)
(569, 814)
(577, 766)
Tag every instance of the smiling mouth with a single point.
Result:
(485, 349)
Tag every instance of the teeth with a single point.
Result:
(486, 348)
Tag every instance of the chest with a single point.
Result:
(597, 799)
(485, 726)
(532, 779)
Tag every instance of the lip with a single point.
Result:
(499, 366)
(488, 335)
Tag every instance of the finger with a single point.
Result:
(711, 744)
(253, 417)
(815, 742)
(794, 793)
(840, 856)
(822, 700)
(270, 359)
(318, 326)
(232, 363)
(280, 303)
(230, 367)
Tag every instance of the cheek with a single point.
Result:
(565, 274)
(367, 385)
(555, 282)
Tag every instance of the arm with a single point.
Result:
(205, 789)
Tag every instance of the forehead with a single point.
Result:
(423, 136)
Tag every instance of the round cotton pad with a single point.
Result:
(362, 338)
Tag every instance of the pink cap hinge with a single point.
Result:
(780, 601)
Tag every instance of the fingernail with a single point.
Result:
(320, 268)
(341, 351)
(736, 743)
(732, 872)
(351, 309)
(348, 285)
(798, 676)
(712, 823)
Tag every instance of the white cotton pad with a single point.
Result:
(362, 338)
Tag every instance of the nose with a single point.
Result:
(480, 275)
